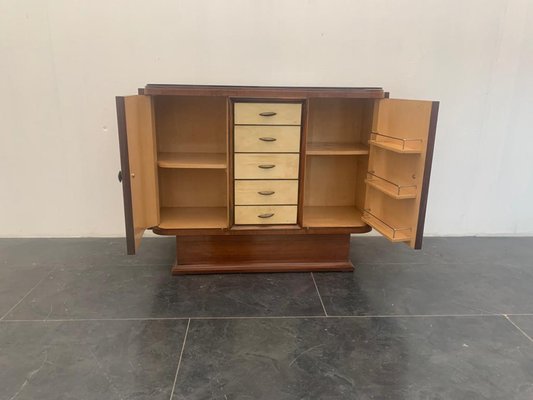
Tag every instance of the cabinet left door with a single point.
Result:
(138, 159)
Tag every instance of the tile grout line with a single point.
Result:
(179, 361)
(27, 294)
(319, 296)
(517, 327)
(266, 317)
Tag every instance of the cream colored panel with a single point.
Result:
(266, 192)
(281, 139)
(268, 113)
(265, 215)
(140, 132)
(266, 166)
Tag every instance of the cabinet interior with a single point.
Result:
(191, 135)
(337, 161)
(192, 160)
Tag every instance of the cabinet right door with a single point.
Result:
(399, 168)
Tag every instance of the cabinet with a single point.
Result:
(255, 179)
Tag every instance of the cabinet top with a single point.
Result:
(261, 91)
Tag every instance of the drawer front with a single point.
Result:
(268, 113)
(266, 192)
(274, 139)
(265, 215)
(266, 166)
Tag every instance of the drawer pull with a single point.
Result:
(267, 113)
(266, 192)
(268, 139)
(268, 215)
(266, 166)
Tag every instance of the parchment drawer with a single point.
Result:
(274, 139)
(267, 215)
(266, 192)
(268, 113)
(266, 166)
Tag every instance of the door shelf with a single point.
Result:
(389, 188)
(336, 149)
(192, 160)
(332, 216)
(193, 217)
(394, 234)
(398, 145)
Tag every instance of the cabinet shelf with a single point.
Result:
(389, 188)
(332, 216)
(336, 149)
(193, 217)
(394, 234)
(192, 160)
(398, 145)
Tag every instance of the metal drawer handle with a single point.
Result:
(266, 192)
(266, 215)
(268, 139)
(267, 113)
(266, 166)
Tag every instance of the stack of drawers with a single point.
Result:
(266, 162)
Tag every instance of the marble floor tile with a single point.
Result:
(524, 323)
(356, 358)
(89, 359)
(16, 282)
(151, 291)
(428, 289)
(74, 253)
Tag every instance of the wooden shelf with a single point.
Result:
(391, 233)
(397, 192)
(193, 217)
(332, 216)
(407, 148)
(336, 149)
(192, 160)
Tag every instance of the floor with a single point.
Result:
(80, 320)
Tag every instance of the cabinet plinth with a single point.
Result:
(262, 253)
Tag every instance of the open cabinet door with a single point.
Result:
(399, 167)
(138, 159)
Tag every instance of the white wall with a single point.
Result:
(63, 61)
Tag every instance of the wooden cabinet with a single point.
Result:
(273, 178)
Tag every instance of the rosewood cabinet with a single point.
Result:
(272, 178)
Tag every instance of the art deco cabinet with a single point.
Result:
(272, 178)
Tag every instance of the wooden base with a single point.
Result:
(260, 267)
(261, 253)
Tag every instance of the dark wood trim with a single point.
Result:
(140, 91)
(303, 158)
(231, 163)
(262, 268)
(386, 95)
(125, 168)
(260, 253)
(291, 100)
(279, 92)
(262, 230)
(427, 174)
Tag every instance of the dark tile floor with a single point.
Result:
(80, 320)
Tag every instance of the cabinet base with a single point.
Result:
(261, 253)
(192, 269)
